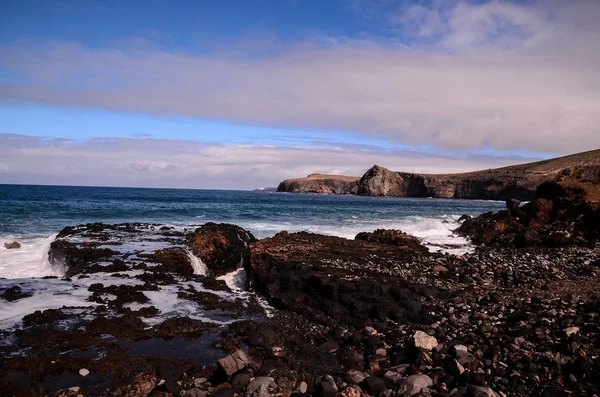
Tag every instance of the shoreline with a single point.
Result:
(318, 333)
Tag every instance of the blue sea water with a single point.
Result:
(32, 214)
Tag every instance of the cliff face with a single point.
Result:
(322, 184)
(518, 181)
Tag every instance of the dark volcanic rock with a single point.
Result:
(561, 214)
(174, 260)
(14, 293)
(334, 280)
(513, 206)
(222, 247)
(393, 237)
(75, 259)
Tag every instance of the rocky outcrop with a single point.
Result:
(561, 214)
(514, 182)
(393, 237)
(322, 184)
(222, 247)
(334, 280)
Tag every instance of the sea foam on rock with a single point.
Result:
(222, 247)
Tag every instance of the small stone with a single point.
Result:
(478, 391)
(302, 387)
(75, 388)
(354, 377)
(571, 330)
(84, 372)
(440, 269)
(326, 386)
(350, 392)
(259, 386)
(195, 393)
(234, 362)
(414, 384)
(424, 341)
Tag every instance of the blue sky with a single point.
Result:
(291, 86)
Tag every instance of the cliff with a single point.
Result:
(321, 183)
(517, 181)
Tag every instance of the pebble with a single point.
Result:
(84, 372)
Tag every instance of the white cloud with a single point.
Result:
(171, 163)
(497, 75)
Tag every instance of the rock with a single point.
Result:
(325, 386)
(354, 377)
(224, 392)
(350, 392)
(571, 330)
(263, 336)
(414, 384)
(221, 247)
(14, 293)
(440, 269)
(373, 385)
(12, 246)
(424, 341)
(172, 386)
(332, 280)
(464, 218)
(454, 369)
(479, 391)
(393, 237)
(195, 393)
(302, 387)
(240, 381)
(259, 386)
(234, 362)
(141, 386)
(84, 372)
(513, 206)
(528, 238)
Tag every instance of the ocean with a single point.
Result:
(33, 215)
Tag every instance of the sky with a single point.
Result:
(224, 94)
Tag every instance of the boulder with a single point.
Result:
(222, 247)
(234, 362)
(12, 246)
(334, 280)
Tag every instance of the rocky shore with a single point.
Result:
(302, 315)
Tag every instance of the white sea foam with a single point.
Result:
(236, 280)
(197, 264)
(435, 232)
(31, 260)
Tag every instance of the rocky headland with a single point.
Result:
(321, 184)
(517, 181)
(320, 316)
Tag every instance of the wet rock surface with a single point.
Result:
(354, 318)
(222, 247)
